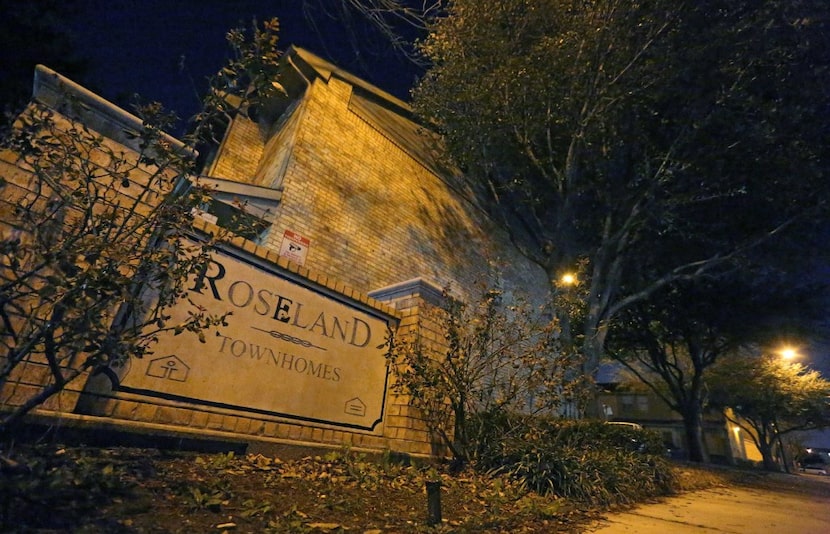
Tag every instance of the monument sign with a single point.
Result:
(288, 350)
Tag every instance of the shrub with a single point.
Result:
(499, 357)
(587, 461)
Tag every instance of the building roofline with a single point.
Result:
(52, 89)
(326, 70)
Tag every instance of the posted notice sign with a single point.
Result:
(294, 247)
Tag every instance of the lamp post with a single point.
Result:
(563, 309)
(787, 354)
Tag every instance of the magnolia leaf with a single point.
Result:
(325, 527)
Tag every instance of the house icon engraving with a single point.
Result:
(356, 407)
(168, 368)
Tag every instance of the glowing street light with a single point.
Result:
(788, 353)
(568, 279)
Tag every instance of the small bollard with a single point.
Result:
(433, 502)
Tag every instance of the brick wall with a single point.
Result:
(374, 215)
(241, 152)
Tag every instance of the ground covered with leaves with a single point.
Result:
(130, 490)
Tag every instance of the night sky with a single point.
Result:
(164, 50)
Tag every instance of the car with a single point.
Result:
(814, 464)
(641, 442)
(815, 469)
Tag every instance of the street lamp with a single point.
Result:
(568, 279)
(788, 353)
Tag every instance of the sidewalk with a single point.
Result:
(726, 510)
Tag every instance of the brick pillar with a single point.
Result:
(418, 302)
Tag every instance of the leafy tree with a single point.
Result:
(604, 131)
(92, 235)
(93, 250)
(672, 341)
(771, 398)
(495, 361)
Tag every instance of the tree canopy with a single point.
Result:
(608, 131)
(672, 341)
(770, 397)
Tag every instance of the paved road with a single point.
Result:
(728, 510)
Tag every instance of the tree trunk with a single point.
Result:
(765, 447)
(593, 347)
(693, 425)
(592, 351)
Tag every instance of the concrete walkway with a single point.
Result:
(731, 510)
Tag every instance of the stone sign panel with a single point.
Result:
(288, 350)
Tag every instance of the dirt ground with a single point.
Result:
(128, 490)
(53, 489)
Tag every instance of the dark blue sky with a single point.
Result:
(163, 50)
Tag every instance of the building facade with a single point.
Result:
(357, 227)
(363, 183)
